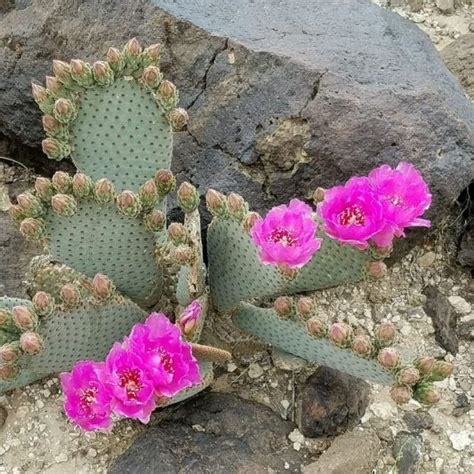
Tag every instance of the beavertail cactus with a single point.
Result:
(106, 224)
(297, 248)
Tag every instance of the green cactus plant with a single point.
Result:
(107, 222)
(241, 285)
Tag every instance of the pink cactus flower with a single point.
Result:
(87, 397)
(287, 235)
(406, 196)
(159, 344)
(190, 316)
(352, 213)
(130, 381)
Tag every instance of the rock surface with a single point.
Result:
(331, 402)
(280, 100)
(444, 318)
(355, 452)
(216, 433)
(459, 58)
(407, 450)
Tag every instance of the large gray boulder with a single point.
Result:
(283, 95)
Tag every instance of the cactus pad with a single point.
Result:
(236, 273)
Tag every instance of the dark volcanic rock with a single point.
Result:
(407, 450)
(444, 318)
(216, 433)
(281, 98)
(331, 402)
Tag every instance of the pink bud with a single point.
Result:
(441, 370)
(16, 213)
(24, 318)
(361, 345)
(70, 294)
(81, 184)
(385, 332)
(409, 376)
(127, 199)
(216, 203)
(7, 371)
(53, 84)
(104, 190)
(31, 228)
(177, 233)
(50, 123)
(401, 394)
(250, 219)
(78, 67)
(183, 254)
(339, 333)
(26, 201)
(43, 187)
(133, 47)
(39, 92)
(425, 364)
(31, 342)
(114, 55)
(152, 76)
(63, 107)
(102, 285)
(62, 181)
(153, 51)
(165, 181)
(316, 326)
(9, 352)
(305, 306)
(178, 118)
(389, 358)
(155, 220)
(188, 197)
(42, 302)
(287, 272)
(61, 69)
(50, 147)
(100, 69)
(5, 317)
(237, 205)
(283, 306)
(167, 89)
(318, 195)
(64, 204)
(377, 269)
(427, 394)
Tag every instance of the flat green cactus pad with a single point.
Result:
(98, 239)
(121, 133)
(236, 273)
(292, 337)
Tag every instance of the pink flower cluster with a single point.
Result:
(375, 208)
(150, 365)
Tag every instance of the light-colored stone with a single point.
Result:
(460, 305)
(427, 259)
(383, 410)
(354, 452)
(296, 436)
(255, 370)
(445, 6)
(461, 440)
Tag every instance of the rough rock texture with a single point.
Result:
(444, 318)
(281, 98)
(407, 450)
(331, 402)
(216, 433)
(459, 58)
(354, 452)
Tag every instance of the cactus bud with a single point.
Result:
(61, 69)
(237, 206)
(40, 93)
(153, 52)
(316, 326)
(152, 77)
(361, 345)
(425, 364)
(9, 352)
(81, 72)
(287, 272)
(178, 118)
(115, 60)
(7, 371)
(385, 332)
(165, 182)
(283, 306)
(377, 269)
(148, 194)
(64, 111)
(128, 204)
(389, 358)
(132, 56)
(82, 186)
(55, 149)
(43, 304)
(64, 204)
(17, 214)
(305, 306)
(408, 376)
(102, 73)
(155, 220)
(24, 318)
(401, 394)
(70, 294)
(382, 252)
(183, 254)
(177, 233)
(6, 319)
(216, 203)
(103, 286)
(167, 95)
(188, 197)
(53, 84)
(339, 333)
(31, 342)
(50, 124)
(427, 394)
(250, 219)
(133, 47)
(62, 181)
(30, 205)
(44, 188)
(32, 229)
(318, 195)
(104, 191)
(441, 370)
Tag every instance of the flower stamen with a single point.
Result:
(352, 215)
